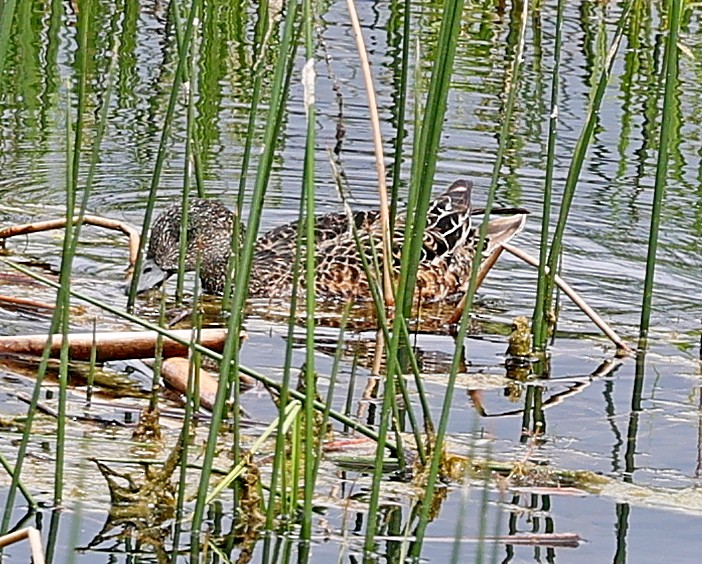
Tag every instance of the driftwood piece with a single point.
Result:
(35, 227)
(175, 373)
(118, 345)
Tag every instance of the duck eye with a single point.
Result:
(147, 269)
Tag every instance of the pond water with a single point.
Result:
(641, 429)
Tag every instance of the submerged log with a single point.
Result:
(118, 345)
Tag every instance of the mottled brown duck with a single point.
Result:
(450, 241)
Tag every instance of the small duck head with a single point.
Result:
(209, 234)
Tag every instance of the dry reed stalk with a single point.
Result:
(379, 157)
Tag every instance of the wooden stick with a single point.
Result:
(575, 298)
(34, 538)
(487, 265)
(14, 230)
(118, 345)
(562, 284)
(26, 302)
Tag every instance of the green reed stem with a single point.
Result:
(372, 274)
(73, 234)
(90, 382)
(540, 332)
(511, 85)
(187, 76)
(426, 148)
(423, 400)
(63, 298)
(412, 205)
(261, 48)
(385, 412)
(189, 163)
(308, 81)
(251, 135)
(158, 352)
(33, 505)
(401, 92)
(332, 382)
(229, 372)
(7, 16)
(670, 66)
(182, 58)
(192, 404)
(195, 355)
(279, 459)
(576, 164)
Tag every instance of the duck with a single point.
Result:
(443, 273)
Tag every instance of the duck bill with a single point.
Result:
(152, 275)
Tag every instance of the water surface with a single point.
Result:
(588, 422)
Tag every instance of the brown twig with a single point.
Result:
(562, 284)
(31, 534)
(485, 268)
(26, 302)
(379, 157)
(575, 298)
(35, 227)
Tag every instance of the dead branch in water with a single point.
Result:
(38, 226)
(485, 268)
(26, 303)
(114, 345)
(562, 284)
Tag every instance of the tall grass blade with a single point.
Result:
(401, 93)
(670, 66)
(308, 82)
(182, 58)
(263, 33)
(426, 146)
(426, 150)
(278, 472)
(228, 373)
(189, 165)
(576, 165)
(538, 330)
(511, 85)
